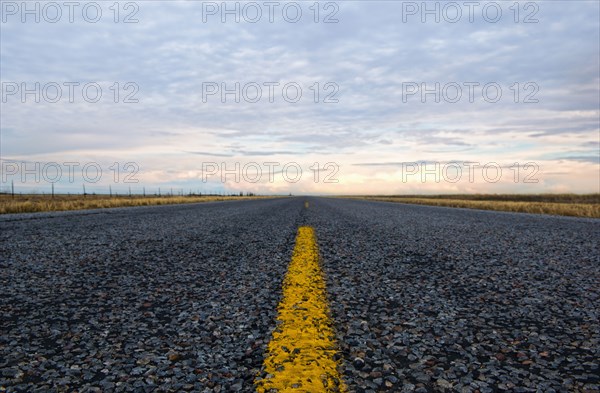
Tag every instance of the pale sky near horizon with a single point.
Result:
(369, 66)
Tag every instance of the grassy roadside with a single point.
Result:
(559, 204)
(44, 203)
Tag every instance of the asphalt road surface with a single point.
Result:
(184, 298)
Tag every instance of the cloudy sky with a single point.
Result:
(391, 98)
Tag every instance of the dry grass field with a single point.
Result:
(587, 205)
(42, 203)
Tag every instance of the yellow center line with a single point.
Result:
(301, 353)
(306, 204)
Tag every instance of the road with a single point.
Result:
(185, 297)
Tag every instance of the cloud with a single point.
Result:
(590, 159)
(210, 154)
(367, 58)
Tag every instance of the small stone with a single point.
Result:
(358, 363)
(442, 383)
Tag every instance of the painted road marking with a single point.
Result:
(301, 354)
(306, 204)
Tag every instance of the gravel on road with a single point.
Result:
(443, 299)
(183, 298)
(173, 298)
